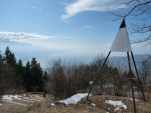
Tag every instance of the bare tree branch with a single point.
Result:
(138, 4)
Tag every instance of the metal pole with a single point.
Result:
(106, 59)
(129, 62)
(131, 82)
(91, 87)
(133, 96)
(139, 80)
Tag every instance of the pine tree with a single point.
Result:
(8, 72)
(45, 81)
(1, 59)
(37, 75)
(20, 69)
(10, 57)
(27, 77)
(1, 62)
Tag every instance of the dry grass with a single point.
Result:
(12, 109)
(44, 107)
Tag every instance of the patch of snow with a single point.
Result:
(20, 99)
(91, 82)
(74, 99)
(117, 104)
(10, 97)
(92, 104)
(31, 99)
(52, 104)
(27, 100)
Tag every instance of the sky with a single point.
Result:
(78, 30)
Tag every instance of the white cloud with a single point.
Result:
(43, 41)
(92, 5)
(15, 36)
(46, 43)
(25, 38)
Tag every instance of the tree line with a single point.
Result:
(17, 77)
(61, 80)
(64, 81)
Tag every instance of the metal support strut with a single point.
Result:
(139, 80)
(131, 78)
(91, 87)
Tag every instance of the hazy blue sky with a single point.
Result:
(50, 29)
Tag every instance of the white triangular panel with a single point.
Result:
(121, 42)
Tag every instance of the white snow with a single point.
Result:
(10, 97)
(117, 104)
(74, 99)
(93, 105)
(91, 82)
(20, 99)
(52, 104)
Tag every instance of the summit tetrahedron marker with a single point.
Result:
(121, 42)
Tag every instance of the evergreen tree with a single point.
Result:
(45, 76)
(33, 76)
(45, 79)
(1, 62)
(27, 77)
(19, 77)
(20, 73)
(37, 76)
(10, 57)
(1, 59)
(8, 72)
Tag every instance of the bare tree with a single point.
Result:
(140, 10)
(147, 70)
